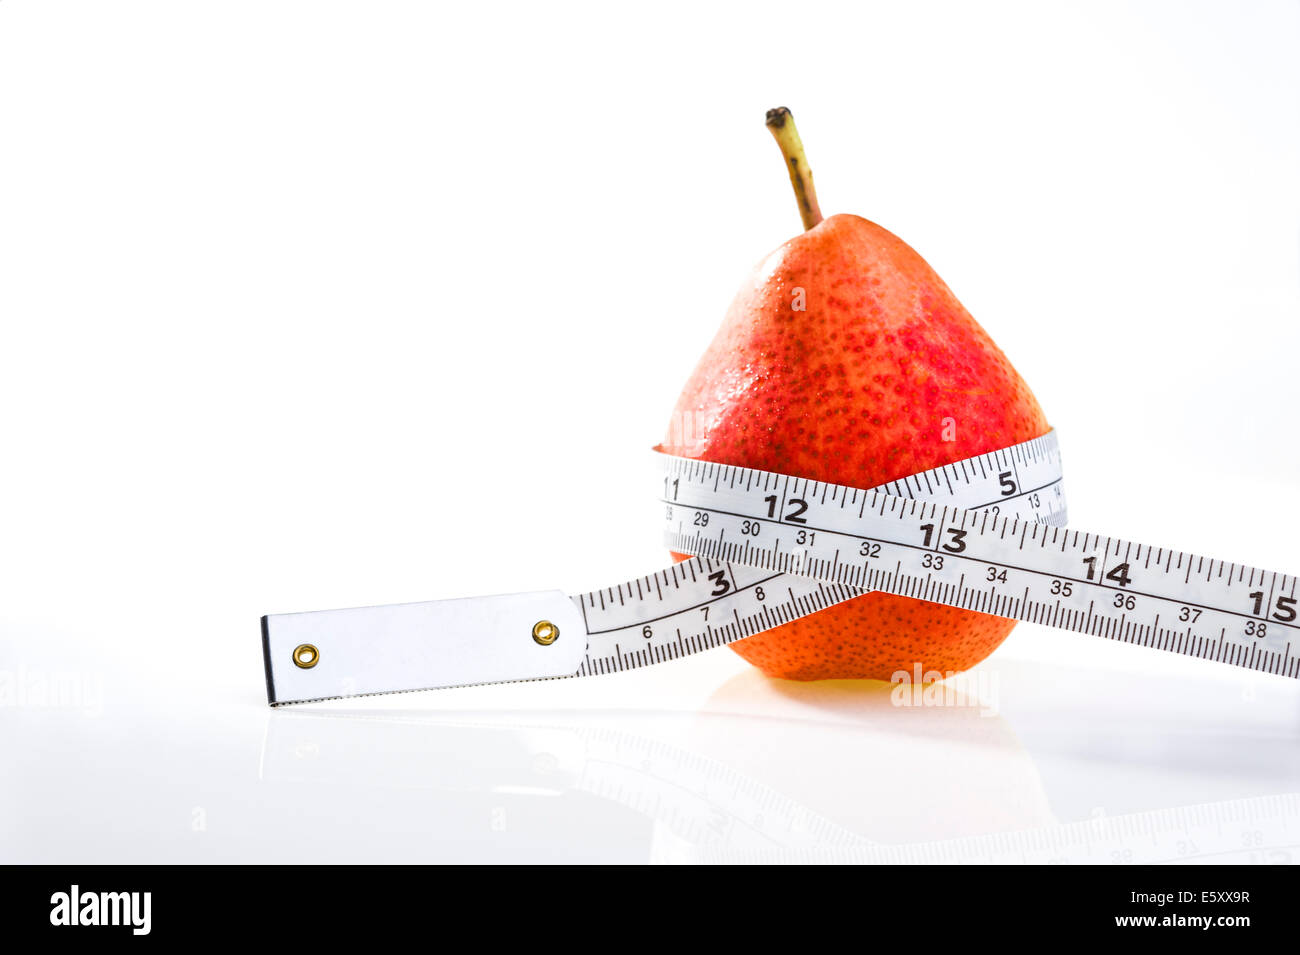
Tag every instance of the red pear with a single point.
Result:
(845, 358)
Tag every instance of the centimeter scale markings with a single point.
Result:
(986, 534)
(704, 603)
(1005, 565)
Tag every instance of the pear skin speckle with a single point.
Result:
(882, 373)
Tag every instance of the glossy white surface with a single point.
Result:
(1076, 753)
(257, 310)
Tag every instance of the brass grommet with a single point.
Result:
(545, 632)
(305, 656)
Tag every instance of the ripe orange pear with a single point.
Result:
(845, 358)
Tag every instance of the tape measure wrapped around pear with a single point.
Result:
(844, 358)
(868, 488)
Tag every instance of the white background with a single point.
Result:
(294, 296)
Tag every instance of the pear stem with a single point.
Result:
(781, 122)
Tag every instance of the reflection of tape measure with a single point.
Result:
(984, 534)
(1261, 830)
(716, 813)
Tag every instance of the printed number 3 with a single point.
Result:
(955, 546)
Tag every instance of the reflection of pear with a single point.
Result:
(890, 774)
(564, 780)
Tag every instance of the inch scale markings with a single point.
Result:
(718, 601)
(1024, 568)
(983, 534)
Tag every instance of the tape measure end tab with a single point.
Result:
(434, 644)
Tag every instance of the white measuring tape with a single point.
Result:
(984, 534)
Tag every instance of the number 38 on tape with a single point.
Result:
(987, 534)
